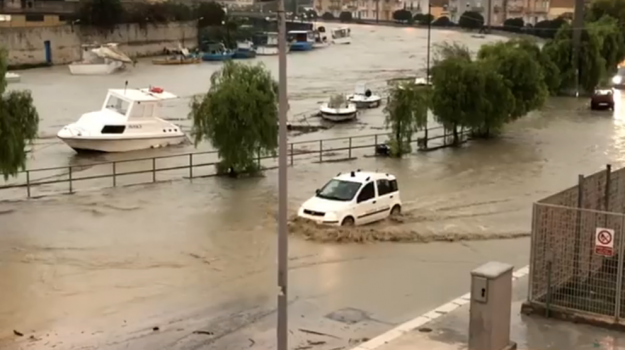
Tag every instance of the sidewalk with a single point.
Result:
(450, 332)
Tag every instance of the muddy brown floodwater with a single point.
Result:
(196, 259)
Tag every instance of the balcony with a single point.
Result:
(9, 7)
(516, 9)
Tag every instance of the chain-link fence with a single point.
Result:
(577, 248)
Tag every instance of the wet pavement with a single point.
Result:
(100, 269)
(450, 332)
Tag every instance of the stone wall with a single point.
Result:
(26, 46)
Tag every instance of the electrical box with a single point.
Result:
(479, 289)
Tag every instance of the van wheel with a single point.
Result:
(396, 211)
(348, 221)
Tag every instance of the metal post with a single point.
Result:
(578, 225)
(28, 183)
(427, 66)
(619, 273)
(191, 165)
(320, 151)
(282, 331)
(350, 149)
(578, 26)
(114, 174)
(71, 186)
(153, 169)
(258, 158)
(291, 154)
(489, 15)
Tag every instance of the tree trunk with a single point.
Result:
(456, 139)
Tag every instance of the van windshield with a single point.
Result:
(339, 190)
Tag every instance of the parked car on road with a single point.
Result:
(354, 198)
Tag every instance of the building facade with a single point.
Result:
(34, 13)
(362, 9)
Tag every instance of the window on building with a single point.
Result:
(34, 18)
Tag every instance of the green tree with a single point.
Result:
(405, 113)
(345, 16)
(592, 65)
(402, 15)
(209, 14)
(551, 72)
(101, 14)
(19, 121)
(521, 72)
(327, 16)
(610, 34)
(238, 115)
(442, 21)
(600, 8)
(471, 20)
(445, 50)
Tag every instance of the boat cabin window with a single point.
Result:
(301, 36)
(118, 105)
(339, 33)
(113, 129)
(137, 110)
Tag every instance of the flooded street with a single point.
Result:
(197, 258)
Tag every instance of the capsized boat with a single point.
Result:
(364, 98)
(100, 60)
(321, 39)
(339, 109)
(128, 121)
(11, 77)
(341, 35)
(178, 56)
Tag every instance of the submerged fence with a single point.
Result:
(68, 179)
(577, 250)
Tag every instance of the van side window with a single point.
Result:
(367, 192)
(384, 187)
(393, 185)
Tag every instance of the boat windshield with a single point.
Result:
(339, 190)
(339, 33)
(117, 104)
(302, 37)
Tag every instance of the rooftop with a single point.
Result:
(142, 95)
(362, 176)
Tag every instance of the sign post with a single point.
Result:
(604, 242)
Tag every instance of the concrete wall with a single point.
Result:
(26, 45)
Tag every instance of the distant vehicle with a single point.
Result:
(602, 99)
(618, 80)
(354, 198)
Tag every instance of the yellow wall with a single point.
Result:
(437, 12)
(554, 12)
(19, 21)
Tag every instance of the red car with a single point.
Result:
(602, 99)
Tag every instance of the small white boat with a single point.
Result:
(99, 60)
(338, 109)
(341, 35)
(128, 121)
(321, 38)
(423, 81)
(364, 98)
(11, 77)
(267, 44)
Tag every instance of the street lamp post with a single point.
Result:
(427, 65)
(282, 328)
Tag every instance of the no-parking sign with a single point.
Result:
(604, 241)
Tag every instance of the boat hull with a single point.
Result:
(175, 62)
(320, 45)
(95, 69)
(244, 54)
(365, 102)
(10, 77)
(301, 46)
(121, 145)
(342, 41)
(342, 117)
(210, 57)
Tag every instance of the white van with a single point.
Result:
(355, 198)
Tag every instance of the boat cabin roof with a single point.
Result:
(339, 29)
(299, 31)
(142, 95)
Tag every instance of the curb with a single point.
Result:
(430, 316)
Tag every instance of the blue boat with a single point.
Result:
(245, 50)
(301, 40)
(212, 51)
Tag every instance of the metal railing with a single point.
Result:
(567, 273)
(188, 165)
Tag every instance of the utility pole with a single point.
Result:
(578, 27)
(282, 331)
(488, 15)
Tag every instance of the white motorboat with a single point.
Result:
(128, 121)
(100, 60)
(11, 77)
(341, 35)
(364, 98)
(338, 109)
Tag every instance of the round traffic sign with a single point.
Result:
(604, 237)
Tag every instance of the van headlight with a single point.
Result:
(330, 215)
(617, 79)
